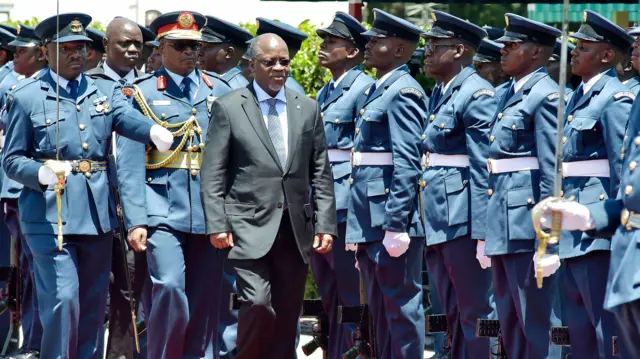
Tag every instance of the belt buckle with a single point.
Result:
(489, 166)
(84, 166)
(425, 160)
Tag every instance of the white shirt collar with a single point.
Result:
(129, 77)
(263, 96)
(178, 79)
(446, 87)
(22, 77)
(336, 82)
(386, 76)
(592, 81)
(64, 82)
(520, 83)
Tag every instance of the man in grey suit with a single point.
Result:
(266, 152)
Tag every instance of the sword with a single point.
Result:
(556, 220)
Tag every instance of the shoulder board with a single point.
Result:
(411, 91)
(162, 83)
(553, 96)
(217, 76)
(142, 78)
(206, 80)
(483, 92)
(622, 94)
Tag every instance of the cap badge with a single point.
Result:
(18, 30)
(185, 20)
(584, 16)
(506, 20)
(75, 26)
(433, 16)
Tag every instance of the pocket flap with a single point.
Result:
(308, 210)
(454, 183)
(592, 194)
(584, 123)
(444, 122)
(47, 118)
(373, 116)
(513, 122)
(520, 197)
(157, 178)
(338, 117)
(376, 187)
(240, 209)
(341, 170)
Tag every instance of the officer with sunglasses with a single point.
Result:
(169, 210)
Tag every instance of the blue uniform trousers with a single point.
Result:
(72, 287)
(628, 320)
(223, 344)
(440, 345)
(31, 325)
(464, 289)
(179, 323)
(591, 327)
(525, 311)
(338, 284)
(394, 295)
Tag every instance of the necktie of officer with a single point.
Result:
(186, 88)
(329, 91)
(435, 96)
(275, 131)
(73, 89)
(372, 89)
(510, 93)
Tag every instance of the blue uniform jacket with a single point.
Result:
(525, 126)
(339, 112)
(594, 128)
(167, 197)
(235, 79)
(6, 70)
(292, 84)
(85, 130)
(385, 198)
(9, 189)
(633, 85)
(455, 198)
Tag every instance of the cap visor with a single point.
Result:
(479, 58)
(72, 38)
(372, 34)
(437, 35)
(324, 32)
(581, 36)
(635, 32)
(183, 37)
(507, 38)
(211, 39)
(153, 43)
(20, 43)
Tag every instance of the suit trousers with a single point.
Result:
(525, 311)
(338, 284)
(271, 291)
(179, 325)
(464, 289)
(72, 287)
(223, 343)
(31, 325)
(628, 320)
(121, 341)
(394, 296)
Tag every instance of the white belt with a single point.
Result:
(436, 159)
(590, 168)
(339, 155)
(371, 159)
(512, 164)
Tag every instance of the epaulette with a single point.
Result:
(206, 80)
(483, 92)
(214, 75)
(411, 91)
(142, 78)
(622, 94)
(553, 96)
(162, 83)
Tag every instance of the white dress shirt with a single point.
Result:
(518, 85)
(281, 108)
(64, 83)
(129, 77)
(587, 86)
(195, 81)
(381, 80)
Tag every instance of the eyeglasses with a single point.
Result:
(272, 63)
(180, 46)
(431, 47)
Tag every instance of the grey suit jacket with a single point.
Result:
(243, 185)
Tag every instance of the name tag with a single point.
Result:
(161, 103)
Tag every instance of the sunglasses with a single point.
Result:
(272, 63)
(180, 46)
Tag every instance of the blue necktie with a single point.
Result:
(372, 89)
(275, 131)
(510, 93)
(73, 89)
(186, 88)
(435, 96)
(330, 91)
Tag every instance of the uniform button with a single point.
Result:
(500, 116)
(195, 148)
(579, 128)
(194, 172)
(279, 204)
(350, 180)
(490, 192)
(87, 174)
(432, 117)
(632, 165)
(194, 111)
(353, 150)
(82, 127)
(423, 184)
(442, 125)
(321, 114)
(357, 131)
(48, 121)
(627, 190)
(570, 118)
(626, 138)
(561, 193)
(601, 197)
(564, 140)
(622, 156)
(336, 121)
(424, 137)
(362, 112)
(637, 140)
(386, 190)
(529, 200)
(513, 127)
(78, 107)
(13, 87)
(85, 145)
(163, 115)
(492, 138)
(149, 179)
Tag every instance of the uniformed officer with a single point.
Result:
(123, 47)
(149, 44)
(68, 233)
(383, 216)
(29, 61)
(553, 68)
(454, 182)
(223, 45)
(170, 214)
(595, 123)
(521, 172)
(487, 63)
(627, 74)
(7, 34)
(342, 53)
(95, 49)
(291, 36)
(493, 33)
(154, 61)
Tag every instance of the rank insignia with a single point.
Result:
(162, 83)
(206, 80)
(127, 91)
(75, 26)
(185, 20)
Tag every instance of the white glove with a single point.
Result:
(396, 243)
(550, 263)
(485, 262)
(350, 247)
(47, 175)
(575, 216)
(161, 137)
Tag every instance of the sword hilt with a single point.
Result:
(545, 238)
